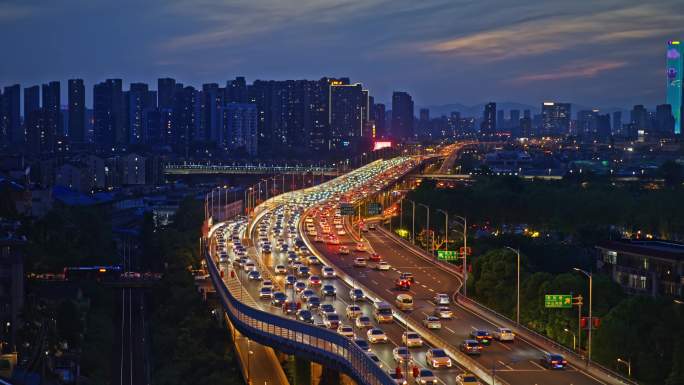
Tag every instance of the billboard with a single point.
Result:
(379, 145)
(674, 82)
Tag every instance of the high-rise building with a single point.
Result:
(379, 118)
(348, 105)
(211, 119)
(31, 100)
(488, 125)
(108, 113)
(236, 90)
(51, 95)
(514, 124)
(166, 88)
(640, 119)
(76, 100)
(555, 119)
(185, 117)
(500, 121)
(10, 118)
(526, 124)
(402, 115)
(40, 132)
(675, 67)
(617, 122)
(241, 128)
(664, 119)
(139, 101)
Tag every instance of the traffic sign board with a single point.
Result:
(447, 255)
(373, 208)
(558, 301)
(346, 209)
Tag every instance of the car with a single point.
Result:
(328, 272)
(306, 294)
(328, 291)
(313, 260)
(290, 280)
(444, 312)
(432, 322)
(437, 358)
(305, 315)
(467, 379)
(371, 226)
(341, 232)
(363, 322)
(314, 302)
(360, 262)
(426, 377)
(284, 247)
(265, 293)
(397, 378)
(376, 336)
(553, 361)
(333, 240)
(290, 307)
(408, 276)
(278, 298)
(363, 344)
(353, 311)
(303, 271)
(254, 275)
(326, 308)
(482, 336)
(314, 280)
(318, 239)
(375, 359)
(280, 269)
(299, 286)
(374, 257)
(471, 347)
(411, 339)
(356, 294)
(346, 331)
(344, 250)
(503, 334)
(267, 283)
(331, 320)
(249, 266)
(402, 355)
(402, 284)
(442, 299)
(383, 266)
(360, 247)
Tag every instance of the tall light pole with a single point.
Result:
(427, 244)
(465, 254)
(517, 285)
(446, 228)
(413, 222)
(591, 320)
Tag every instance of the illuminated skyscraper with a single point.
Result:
(674, 82)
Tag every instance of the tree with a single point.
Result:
(672, 172)
(676, 376)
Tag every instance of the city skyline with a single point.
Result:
(579, 58)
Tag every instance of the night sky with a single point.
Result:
(596, 53)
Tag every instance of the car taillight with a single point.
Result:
(554, 362)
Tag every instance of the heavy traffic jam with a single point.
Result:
(272, 257)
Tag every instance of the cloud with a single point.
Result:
(13, 12)
(577, 70)
(550, 34)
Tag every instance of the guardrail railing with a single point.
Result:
(285, 334)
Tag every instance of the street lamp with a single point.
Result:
(588, 274)
(446, 228)
(574, 338)
(628, 363)
(465, 254)
(427, 225)
(517, 285)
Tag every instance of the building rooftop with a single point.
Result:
(653, 248)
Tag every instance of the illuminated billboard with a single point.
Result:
(381, 145)
(674, 82)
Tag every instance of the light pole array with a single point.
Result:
(427, 244)
(446, 228)
(574, 338)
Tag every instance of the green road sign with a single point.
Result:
(444, 255)
(558, 301)
(373, 208)
(346, 209)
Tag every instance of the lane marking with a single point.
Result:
(537, 365)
